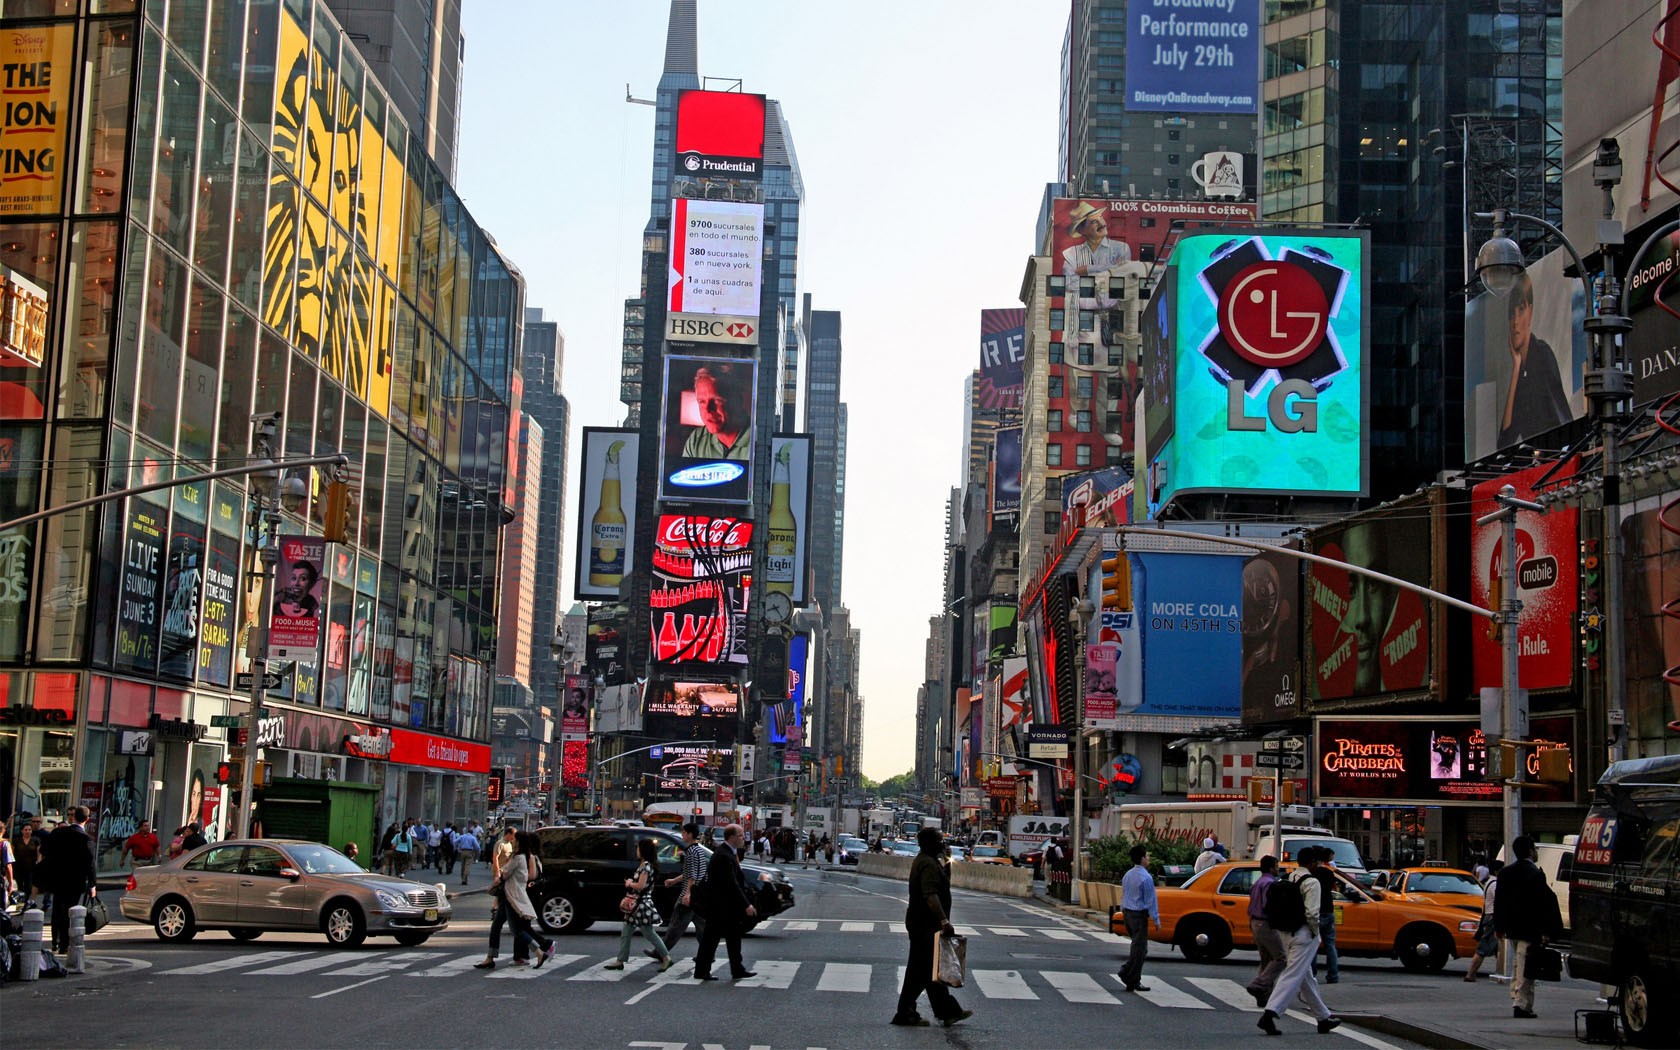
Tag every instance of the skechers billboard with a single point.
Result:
(706, 436)
(1267, 378)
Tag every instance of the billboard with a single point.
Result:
(1366, 637)
(23, 320)
(1105, 495)
(294, 631)
(720, 134)
(1271, 638)
(716, 258)
(786, 721)
(706, 433)
(788, 545)
(1014, 701)
(1268, 386)
(1548, 583)
(606, 532)
(1652, 348)
(35, 116)
(1422, 761)
(1202, 58)
(1534, 332)
(574, 713)
(1006, 471)
(702, 564)
(1190, 619)
(1003, 349)
(694, 699)
(1128, 230)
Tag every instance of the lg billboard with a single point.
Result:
(1254, 366)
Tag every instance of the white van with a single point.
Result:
(1557, 863)
(1345, 855)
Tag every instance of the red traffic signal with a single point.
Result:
(493, 790)
(224, 772)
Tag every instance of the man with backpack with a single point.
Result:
(1293, 907)
(1267, 940)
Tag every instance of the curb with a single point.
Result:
(1416, 1033)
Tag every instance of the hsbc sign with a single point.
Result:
(711, 328)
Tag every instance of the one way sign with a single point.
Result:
(271, 680)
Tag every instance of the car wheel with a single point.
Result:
(413, 938)
(1647, 1017)
(344, 925)
(245, 933)
(1423, 950)
(560, 914)
(173, 921)
(1204, 940)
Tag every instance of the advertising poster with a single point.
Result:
(1652, 348)
(1535, 332)
(1367, 637)
(706, 432)
(574, 715)
(1014, 699)
(1003, 349)
(1103, 493)
(1100, 663)
(717, 257)
(1006, 472)
(606, 511)
(183, 583)
(1269, 392)
(139, 611)
(783, 718)
(1127, 230)
(299, 597)
(788, 547)
(1190, 609)
(221, 599)
(23, 320)
(1548, 583)
(605, 645)
(1202, 58)
(1422, 761)
(574, 765)
(1651, 578)
(693, 699)
(720, 134)
(1271, 619)
(1118, 630)
(34, 115)
(698, 603)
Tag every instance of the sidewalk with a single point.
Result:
(1434, 1010)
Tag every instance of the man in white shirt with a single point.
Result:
(1301, 945)
(1208, 857)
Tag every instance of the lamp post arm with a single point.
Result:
(1580, 266)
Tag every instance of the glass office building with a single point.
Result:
(209, 211)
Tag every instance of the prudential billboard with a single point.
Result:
(1266, 336)
(1199, 56)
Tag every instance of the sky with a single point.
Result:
(925, 134)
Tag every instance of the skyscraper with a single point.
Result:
(414, 48)
(825, 419)
(544, 363)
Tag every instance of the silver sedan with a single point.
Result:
(248, 886)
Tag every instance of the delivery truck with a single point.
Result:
(1241, 827)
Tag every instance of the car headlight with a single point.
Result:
(390, 900)
(1468, 926)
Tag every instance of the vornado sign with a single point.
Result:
(711, 328)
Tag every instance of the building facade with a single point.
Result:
(243, 226)
(544, 358)
(414, 48)
(824, 420)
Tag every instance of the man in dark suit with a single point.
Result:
(728, 907)
(67, 871)
(1526, 910)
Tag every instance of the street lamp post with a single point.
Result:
(562, 649)
(1080, 614)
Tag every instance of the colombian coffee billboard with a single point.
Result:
(1422, 761)
(1092, 235)
(702, 564)
(1268, 389)
(606, 533)
(1548, 582)
(1367, 637)
(706, 433)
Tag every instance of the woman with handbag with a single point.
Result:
(638, 909)
(517, 874)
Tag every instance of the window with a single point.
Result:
(222, 858)
(1116, 455)
(1082, 421)
(1054, 285)
(1053, 455)
(261, 860)
(1087, 354)
(1056, 386)
(1087, 287)
(1052, 522)
(1056, 352)
(1116, 356)
(1053, 422)
(1237, 883)
(1082, 384)
(1082, 455)
(1058, 320)
(1087, 321)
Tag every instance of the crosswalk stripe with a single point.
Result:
(450, 968)
(388, 964)
(1079, 987)
(1062, 935)
(1002, 984)
(801, 924)
(1226, 991)
(232, 962)
(599, 972)
(857, 927)
(845, 977)
(528, 973)
(1006, 931)
(1165, 995)
(314, 961)
(772, 973)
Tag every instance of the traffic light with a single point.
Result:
(839, 765)
(1496, 600)
(1117, 582)
(224, 772)
(335, 512)
(714, 760)
(1554, 765)
(493, 787)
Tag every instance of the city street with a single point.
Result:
(827, 976)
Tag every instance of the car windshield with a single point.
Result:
(988, 851)
(315, 859)
(1346, 855)
(1442, 882)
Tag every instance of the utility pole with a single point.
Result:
(266, 489)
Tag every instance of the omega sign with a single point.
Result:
(711, 328)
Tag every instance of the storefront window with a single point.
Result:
(35, 769)
(70, 544)
(91, 311)
(20, 492)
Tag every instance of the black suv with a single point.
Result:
(583, 873)
(1624, 896)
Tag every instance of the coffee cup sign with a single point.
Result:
(1219, 174)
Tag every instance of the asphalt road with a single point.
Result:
(828, 976)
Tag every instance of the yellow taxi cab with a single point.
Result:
(990, 855)
(1208, 916)
(1452, 887)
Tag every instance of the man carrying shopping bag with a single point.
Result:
(928, 913)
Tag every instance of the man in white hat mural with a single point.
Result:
(1094, 253)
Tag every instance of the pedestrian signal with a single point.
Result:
(335, 512)
(1117, 583)
(224, 772)
(493, 788)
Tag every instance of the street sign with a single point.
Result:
(271, 680)
(226, 721)
(1280, 760)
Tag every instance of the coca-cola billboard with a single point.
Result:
(702, 568)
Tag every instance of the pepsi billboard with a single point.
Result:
(1261, 355)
